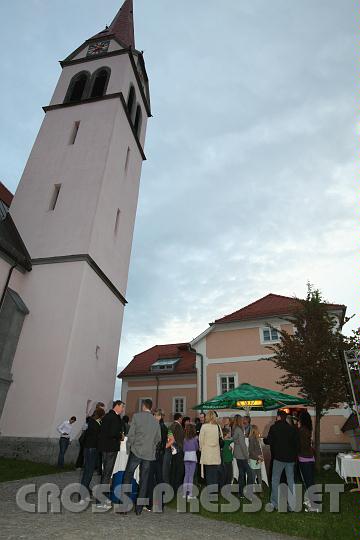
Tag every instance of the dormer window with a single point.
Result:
(165, 364)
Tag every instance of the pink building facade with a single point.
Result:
(232, 351)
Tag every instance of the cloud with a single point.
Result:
(249, 187)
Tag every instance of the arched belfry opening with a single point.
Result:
(100, 81)
(78, 87)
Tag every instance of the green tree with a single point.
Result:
(311, 359)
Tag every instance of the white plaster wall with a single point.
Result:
(79, 168)
(120, 190)
(55, 369)
(97, 323)
(50, 293)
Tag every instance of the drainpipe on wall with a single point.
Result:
(7, 284)
(191, 349)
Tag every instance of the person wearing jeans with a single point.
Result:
(65, 430)
(143, 438)
(278, 468)
(284, 441)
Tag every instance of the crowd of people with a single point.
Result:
(184, 453)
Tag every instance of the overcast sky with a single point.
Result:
(249, 186)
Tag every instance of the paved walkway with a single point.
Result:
(16, 524)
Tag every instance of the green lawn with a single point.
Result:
(14, 469)
(344, 525)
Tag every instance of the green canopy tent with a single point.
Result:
(246, 397)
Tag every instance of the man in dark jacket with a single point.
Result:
(284, 443)
(110, 435)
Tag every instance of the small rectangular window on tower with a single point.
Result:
(55, 196)
(74, 132)
(117, 220)
(127, 159)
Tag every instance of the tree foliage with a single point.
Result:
(311, 359)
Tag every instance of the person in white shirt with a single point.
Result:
(65, 430)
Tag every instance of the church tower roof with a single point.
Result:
(122, 26)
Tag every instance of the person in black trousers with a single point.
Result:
(110, 436)
(177, 461)
(90, 445)
(80, 459)
(156, 467)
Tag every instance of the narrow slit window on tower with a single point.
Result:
(117, 220)
(138, 119)
(55, 196)
(127, 159)
(131, 100)
(74, 132)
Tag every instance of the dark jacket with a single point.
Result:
(110, 432)
(305, 448)
(91, 434)
(178, 433)
(284, 441)
(160, 448)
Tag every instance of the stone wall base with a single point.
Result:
(38, 449)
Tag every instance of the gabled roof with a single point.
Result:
(5, 195)
(268, 306)
(142, 362)
(122, 27)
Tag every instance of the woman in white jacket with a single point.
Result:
(210, 449)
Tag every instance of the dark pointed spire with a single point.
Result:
(122, 27)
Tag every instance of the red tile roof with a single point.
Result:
(122, 27)
(5, 195)
(270, 305)
(142, 362)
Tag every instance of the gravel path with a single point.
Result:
(16, 524)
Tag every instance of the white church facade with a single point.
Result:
(65, 243)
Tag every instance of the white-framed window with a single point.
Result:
(226, 382)
(179, 404)
(141, 399)
(269, 334)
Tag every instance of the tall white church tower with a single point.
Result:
(75, 210)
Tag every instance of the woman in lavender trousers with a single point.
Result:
(191, 446)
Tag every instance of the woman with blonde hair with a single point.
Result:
(209, 442)
(241, 455)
